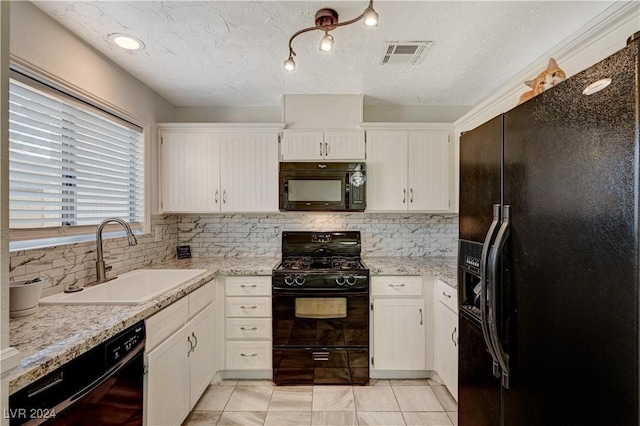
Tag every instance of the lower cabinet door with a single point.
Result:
(201, 357)
(447, 347)
(167, 384)
(399, 337)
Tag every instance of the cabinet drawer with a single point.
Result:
(248, 286)
(409, 285)
(162, 324)
(201, 298)
(249, 328)
(447, 295)
(248, 306)
(248, 355)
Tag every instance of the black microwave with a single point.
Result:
(312, 186)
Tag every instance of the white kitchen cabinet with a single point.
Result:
(190, 171)
(167, 389)
(201, 358)
(399, 335)
(180, 358)
(408, 170)
(249, 172)
(342, 145)
(400, 327)
(446, 336)
(210, 170)
(248, 326)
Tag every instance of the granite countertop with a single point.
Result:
(56, 334)
(443, 268)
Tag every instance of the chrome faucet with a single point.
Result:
(100, 266)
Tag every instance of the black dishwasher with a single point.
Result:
(103, 386)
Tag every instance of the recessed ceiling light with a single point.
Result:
(126, 41)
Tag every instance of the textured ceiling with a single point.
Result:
(230, 53)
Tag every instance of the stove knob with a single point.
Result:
(351, 280)
(341, 280)
(288, 279)
(299, 279)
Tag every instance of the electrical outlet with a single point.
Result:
(158, 236)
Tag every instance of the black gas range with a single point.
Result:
(321, 310)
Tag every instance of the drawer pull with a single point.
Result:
(320, 356)
(248, 286)
(453, 339)
(396, 285)
(249, 356)
(446, 295)
(248, 307)
(421, 319)
(248, 329)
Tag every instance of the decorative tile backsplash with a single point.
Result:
(400, 234)
(76, 263)
(235, 235)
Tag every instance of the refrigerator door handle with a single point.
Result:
(494, 258)
(484, 318)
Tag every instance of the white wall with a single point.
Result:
(413, 113)
(220, 114)
(40, 42)
(34, 41)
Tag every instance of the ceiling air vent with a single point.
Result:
(405, 52)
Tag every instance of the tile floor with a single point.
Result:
(383, 402)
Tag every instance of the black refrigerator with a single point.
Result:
(548, 255)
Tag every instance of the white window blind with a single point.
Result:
(70, 164)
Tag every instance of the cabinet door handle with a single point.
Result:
(248, 286)
(248, 307)
(446, 295)
(326, 149)
(248, 329)
(195, 345)
(455, 329)
(190, 346)
(421, 319)
(249, 356)
(320, 149)
(224, 196)
(396, 285)
(216, 196)
(411, 192)
(404, 196)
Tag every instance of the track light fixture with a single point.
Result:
(327, 20)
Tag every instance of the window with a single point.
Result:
(71, 165)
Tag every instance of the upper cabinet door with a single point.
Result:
(302, 146)
(387, 170)
(190, 171)
(344, 145)
(428, 166)
(341, 145)
(249, 176)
